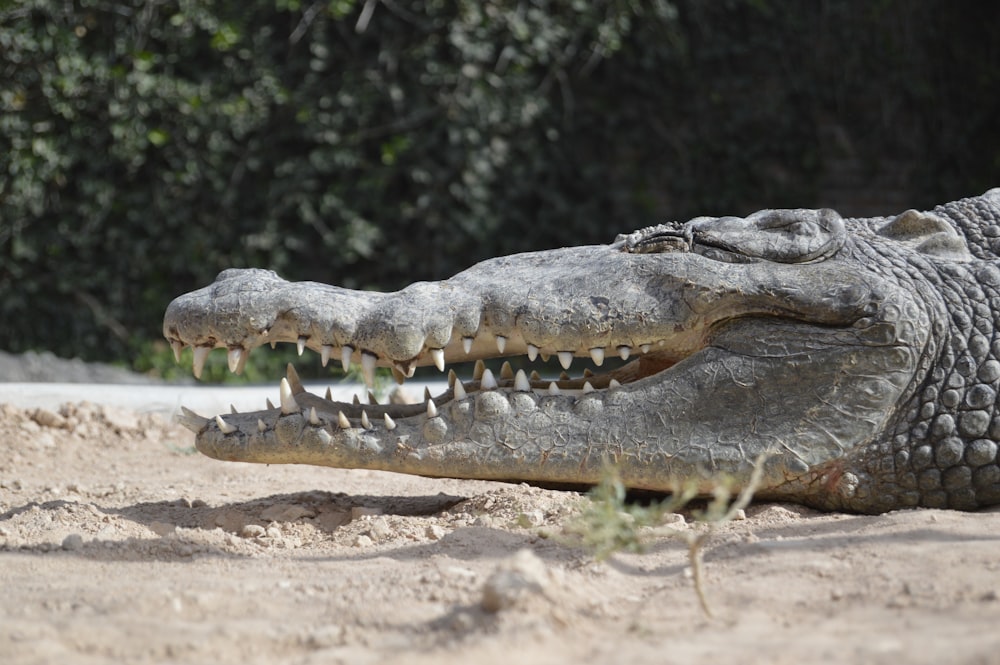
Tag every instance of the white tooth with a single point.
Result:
(612, 384)
(597, 355)
(345, 357)
(224, 427)
(467, 344)
(452, 378)
(301, 345)
(329, 394)
(367, 424)
(191, 420)
(437, 355)
(177, 348)
(645, 347)
(554, 389)
(587, 388)
(368, 368)
(288, 403)
(390, 424)
(460, 391)
(343, 421)
(565, 359)
(261, 427)
(313, 417)
(624, 351)
(488, 382)
(532, 352)
(324, 436)
(274, 344)
(432, 410)
(324, 354)
(501, 343)
(270, 404)
(200, 356)
(521, 383)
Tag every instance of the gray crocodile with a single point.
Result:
(859, 358)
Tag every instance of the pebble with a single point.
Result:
(521, 576)
(73, 541)
(252, 531)
(436, 532)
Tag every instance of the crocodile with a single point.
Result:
(853, 363)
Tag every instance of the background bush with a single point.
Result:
(147, 144)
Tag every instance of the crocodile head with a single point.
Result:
(789, 333)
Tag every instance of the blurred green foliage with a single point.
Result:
(147, 144)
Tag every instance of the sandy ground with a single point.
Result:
(120, 544)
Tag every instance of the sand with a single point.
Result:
(120, 544)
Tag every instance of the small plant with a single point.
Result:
(611, 524)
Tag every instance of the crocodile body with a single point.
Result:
(860, 357)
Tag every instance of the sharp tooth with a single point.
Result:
(343, 421)
(371, 398)
(532, 352)
(313, 417)
(224, 427)
(324, 436)
(329, 394)
(587, 388)
(645, 347)
(460, 391)
(293, 380)
(261, 427)
(345, 357)
(301, 344)
(587, 373)
(274, 344)
(612, 384)
(288, 403)
(477, 371)
(521, 383)
(467, 344)
(452, 378)
(488, 382)
(324, 354)
(427, 393)
(200, 356)
(565, 359)
(437, 355)
(506, 371)
(399, 377)
(554, 389)
(355, 400)
(501, 343)
(232, 408)
(597, 355)
(563, 376)
(368, 368)
(270, 404)
(535, 376)
(177, 347)
(624, 351)
(544, 356)
(390, 424)
(191, 420)
(432, 410)
(367, 424)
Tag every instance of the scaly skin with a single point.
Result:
(860, 356)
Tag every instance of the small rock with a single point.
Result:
(515, 579)
(252, 531)
(380, 529)
(436, 532)
(363, 541)
(73, 541)
(162, 529)
(273, 532)
(46, 418)
(357, 512)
